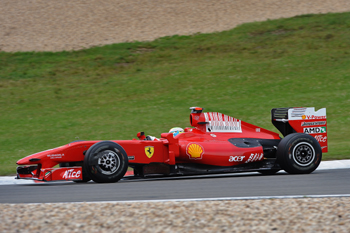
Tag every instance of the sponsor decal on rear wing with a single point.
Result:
(302, 120)
(309, 121)
(306, 114)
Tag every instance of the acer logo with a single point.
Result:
(321, 138)
(236, 158)
(71, 174)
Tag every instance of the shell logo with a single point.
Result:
(303, 117)
(194, 151)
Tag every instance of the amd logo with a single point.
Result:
(315, 130)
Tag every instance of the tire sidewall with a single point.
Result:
(94, 170)
(287, 157)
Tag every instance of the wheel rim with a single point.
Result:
(108, 162)
(303, 154)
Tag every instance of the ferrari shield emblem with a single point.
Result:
(149, 150)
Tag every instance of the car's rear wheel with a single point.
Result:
(299, 153)
(106, 162)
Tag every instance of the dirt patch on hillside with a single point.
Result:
(41, 25)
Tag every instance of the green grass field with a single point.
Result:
(112, 92)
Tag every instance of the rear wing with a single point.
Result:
(302, 120)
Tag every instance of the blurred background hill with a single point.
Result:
(39, 25)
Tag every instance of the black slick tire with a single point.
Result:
(106, 162)
(299, 153)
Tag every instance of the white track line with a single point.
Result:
(325, 165)
(198, 199)
(228, 198)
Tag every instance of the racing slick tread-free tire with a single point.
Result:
(106, 162)
(299, 153)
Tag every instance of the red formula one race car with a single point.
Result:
(216, 143)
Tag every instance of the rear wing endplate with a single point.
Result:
(302, 120)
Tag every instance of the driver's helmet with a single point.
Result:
(176, 130)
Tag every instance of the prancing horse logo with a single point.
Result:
(149, 150)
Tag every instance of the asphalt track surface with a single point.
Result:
(320, 182)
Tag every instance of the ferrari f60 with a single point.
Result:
(215, 143)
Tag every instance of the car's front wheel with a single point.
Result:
(106, 162)
(299, 153)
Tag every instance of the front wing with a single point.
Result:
(50, 174)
